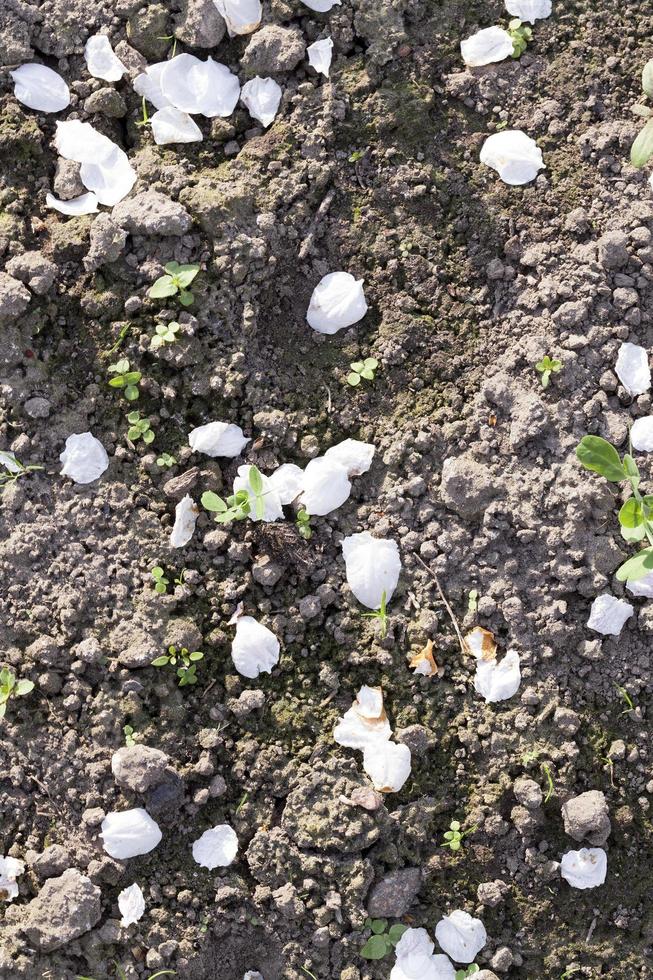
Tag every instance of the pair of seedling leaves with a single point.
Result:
(636, 515)
(11, 687)
(642, 149)
(175, 282)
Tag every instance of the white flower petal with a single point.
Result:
(417, 961)
(498, 680)
(321, 6)
(129, 833)
(170, 125)
(216, 848)
(272, 509)
(320, 54)
(148, 85)
(9, 462)
(262, 97)
(253, 975)
(355, 456)
(633, 369)
(514, 155)
(365, 723)
(338, 301)
(608, 614)
(641, 434)
(529, 10)
(204, 87)
(240, 16)
(461, 936)
(40, 88)
(101, 60)
(486, 46)
(585, 868)
(84, 204)
(111, 178)
(131, 903)
(387, 764)
(186, 513)
(79, 141)
(287, 481)
(325, 486)
(84, 458)
(372, 567)
(10, 870)
(218, 439)
(255, 648)
(642, 586)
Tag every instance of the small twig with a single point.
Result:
(452, 615)
(591, 930)
(319, 214)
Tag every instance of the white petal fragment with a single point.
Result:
(40, 88)
(272, 508)
(148, 85)
(585, 868)
(338, 301)
(84, 204)
(10, 870)
(365, 723)
(218, 439)
(287, 481)
(101, 60)
(255, 648)
(416, 959)
(240, 16)
(321, 6)
(129, 833)
(105, 168)
(641, 434)
(486, 46)
(262, 97)
(170, 125)
(355, 456)
(372, 567)
(325, 486)
(186, 513)
(529, 10)
(84, 458)
(633, 369)
(608, 614)
(388, 765)
(514, 155)
(199, 87)
(216, 848)
(642, 586)
(81, 142)
(461, 936)
(131, 903)
(320, 54)
(498, 680)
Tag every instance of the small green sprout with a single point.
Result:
(308, 972)
(161, 583)
(11, 469)
(128, 732)
(125, 378)
(356, 156)
(121, 975)
(187, 671)
(304, 524)
(549, 781)
(630, 704)
(176, 281)
(170, 37)
(166, 333)
(642, 149)
(521, 36)
(381, 614)
(239, 505)
(472, 601)
(11, 687)
(145, 119)
(165, 461)
(468, 971)
(381, 942)
(453, 838)
(243, 801)
(180, 579)
(362, 370)
(139, 428)
(547, 367)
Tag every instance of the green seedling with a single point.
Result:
(145, 119)
(381, 614)
(11, 687)
(182, 575)
(161, 583)
(243, 801)
(304, 524)
(187, 670)
(166, 333)
(11, 469)
(521, 36)
(472, 601)
(381, 942)
(549, 782)
(630, 705)
(128, 732)
(642, 149)
(453, 839)
(308, 973)
(636, 515)
(571, 971)
(121, 975)
(165, 461)
(547, 367)
(362, 370)
(139, 428)
(125, 378)
(170, 37)
(175, 282)
(469, 971)
(239, 505)
(356, 156)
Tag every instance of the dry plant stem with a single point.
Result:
(319, 214)
(452, 615)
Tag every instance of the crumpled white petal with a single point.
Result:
(148, 85)
(461, 936)
(10, 870)
(218, 439)
(170, 125)
(320, 54)
(321, 6)
(84, 204)
(262, 97)
(387, 764)
(186, 513)
(355, 456)
(486, 46)
(39, 87)
(240, 16)
(253, 975)
(216, 848)
(111, 178)
(641, 434)
(101, 60)
(608, 614)
(272, 509)
(131, 903)
(498, 680)
(325, 486)
(129, 833)
(287, 481)
(84, 458)
(365, 723)
(642, 586)
(372, 567)
(338, 301)
(255, 648)
(417, 961)
(585, 868)
(632, 369)
(204, 87)
(81, 142)
(529, 10)
(514, 155)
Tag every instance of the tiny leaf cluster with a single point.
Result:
(381, 942)
(175, 282)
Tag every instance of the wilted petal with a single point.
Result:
(415, 959)
(255, 648)
(185, 517)
(170, 125)
(101, 60)
(129, 833)
(632, 369)
(486, 46)
(585, 868)
(608, 614)
(262, 97)
(498, 680)
(325, 486)
(131, 903)
(365, 722)
(355, 456)
(40, 88)
(388, 765)
(372, 567)
(424, 662)
(240, 16)
(272, 508)
(84, 204)
(641, 434)
(287, 482)
(514, 155)
(218, 439)
(480, 644)
(195, 86)
(320, 54)
(529, 10)
(338, 301)
(216, 848)
(84, 458)
(10, 870)
(461, 936)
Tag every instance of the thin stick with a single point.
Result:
(452, 615)
(319, 214)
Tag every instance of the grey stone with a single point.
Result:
(485, 975)
(14, 298)
(613, 249)
(266, 571)
(247, 702)
(586, 817)
(107, 243)
(467, 487)
(199, 25)
(183, 633)
(152, 213)
(164, 801)
(288, 902)
(393, 895)
(309, 607)
(416, 737)
(64, 909)
(34, 269)
(45, 650)
(566, 720)
(67, 182)
(54, 860)
(528, 793)
(106, 101)
(272, 49)
(491, 893)
(37, 408)
(177, 486)
(139, 767)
